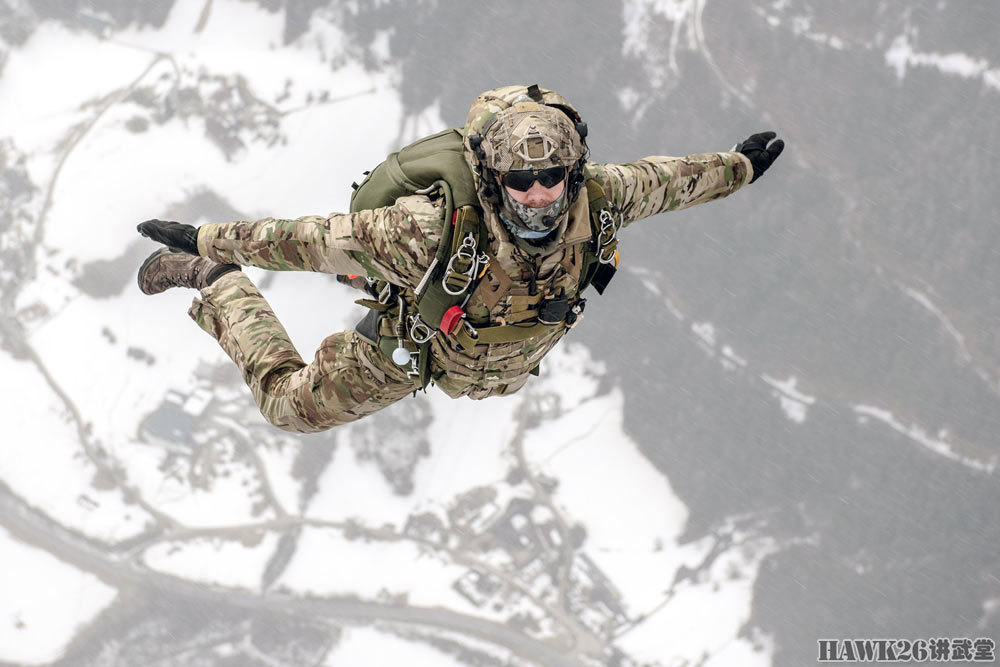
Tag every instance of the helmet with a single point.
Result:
(530, 129)
(528, 135)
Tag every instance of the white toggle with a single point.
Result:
(401, 356)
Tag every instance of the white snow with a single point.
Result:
(794, 410)
(224, 498)
(216, 560)
(801, 26)
(90, 206)
(929, 305)
(706, 332)
(901, 55)
(920, 436)
(631, 514)
(464, 456)
(633, 520)
(293, 297)
(45, 464)
(793, 402)
(704, 618)
(731, 360)
(369, 647)
(142, 353)
(113, 389)
(259, 31)
(327, 563)
(46, 81)
(638, 15)
(42, 90)
(788, 388)
(641, 17)
(278, 464)
(572, 373)
(43, 603)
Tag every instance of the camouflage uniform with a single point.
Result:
(350, 377)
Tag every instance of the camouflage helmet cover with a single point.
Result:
(528, 135)
(523, 133)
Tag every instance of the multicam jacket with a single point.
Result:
(397, 243)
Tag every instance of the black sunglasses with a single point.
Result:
(521, 179)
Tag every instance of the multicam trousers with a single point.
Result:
(349, 378)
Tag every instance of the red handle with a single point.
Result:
(451, 318)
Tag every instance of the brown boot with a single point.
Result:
(165, 269)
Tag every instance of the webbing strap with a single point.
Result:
(467, 221)
(466, 246)
(502, 334)
(595, 194)
(447, 238)
(601, 258)
(509, 333)
(453, 268)
(603, 222)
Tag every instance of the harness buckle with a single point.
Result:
(461, 279)
(385, 296)
(414, 370)
(420, 332)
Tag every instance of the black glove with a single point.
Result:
(175, 235)
(760, 154)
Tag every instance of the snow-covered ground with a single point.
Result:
(43, 602)
(111, 360)
(366, 647)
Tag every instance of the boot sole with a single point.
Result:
(149, 260)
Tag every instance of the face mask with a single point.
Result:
(531, 223)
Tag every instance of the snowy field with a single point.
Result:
(135, 447)
(65, 100)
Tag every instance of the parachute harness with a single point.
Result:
(439, 299)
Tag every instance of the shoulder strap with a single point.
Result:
(601, 258)
(456, 267)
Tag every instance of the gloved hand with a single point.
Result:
(759, 153)
(175, 235)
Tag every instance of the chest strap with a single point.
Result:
(468, 336)
(455, 271)
(509, 333)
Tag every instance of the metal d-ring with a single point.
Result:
(419, 331)
(605, 254)
(465, 251)
(608, 222)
